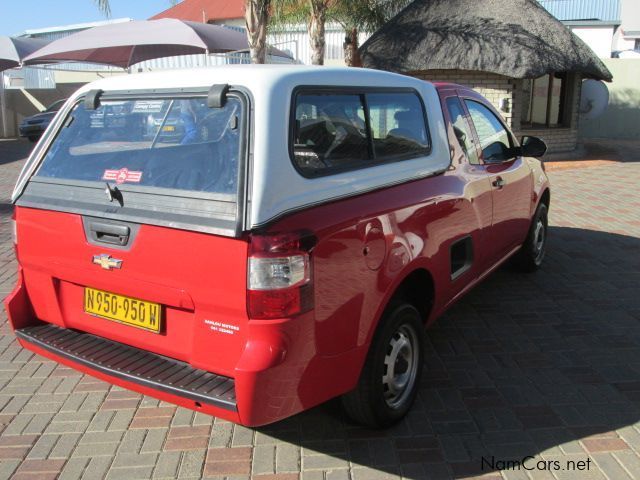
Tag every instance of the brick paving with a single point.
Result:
(545, 366)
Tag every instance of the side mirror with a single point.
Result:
(532, 147)
(497, 152)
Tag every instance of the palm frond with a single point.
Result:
(104, 7)
(285, 13)
(365, 14)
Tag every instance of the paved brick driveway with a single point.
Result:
(546, 366)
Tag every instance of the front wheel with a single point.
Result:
(532, 253)
(389, 381)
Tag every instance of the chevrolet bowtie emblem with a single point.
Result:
(106, 262)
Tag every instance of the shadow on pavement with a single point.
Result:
(524, 365)
(14, 150)
(595, 150)
(611, 149)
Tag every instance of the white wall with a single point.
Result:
(232, 22)
(295, 39)
(622, 117)
(599, 39)
(629, 31)
(630, 15)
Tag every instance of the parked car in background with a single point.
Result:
(34, 126)
(286, 243)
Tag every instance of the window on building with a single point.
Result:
(637, 44)
(543, 103)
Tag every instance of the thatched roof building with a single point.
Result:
(515, 38)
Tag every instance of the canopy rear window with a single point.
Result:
(162, 158)
(174, 143)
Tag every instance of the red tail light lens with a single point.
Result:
(279, 276)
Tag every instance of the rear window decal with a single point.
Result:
(123, 175)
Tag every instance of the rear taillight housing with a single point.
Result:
(280, 275)
(14, 230)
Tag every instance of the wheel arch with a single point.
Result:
(545, 197)
(416, 286)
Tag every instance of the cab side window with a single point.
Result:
(335, 131)
(462, 129)
(495, 141)
(397, 125)
(330, 132)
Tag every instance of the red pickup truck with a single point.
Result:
(251, 241)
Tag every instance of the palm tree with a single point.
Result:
(356, 16)
(311, 12)
(257, 13)
(317, 20)
(353, 15)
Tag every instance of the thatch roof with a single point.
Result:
(516, 38)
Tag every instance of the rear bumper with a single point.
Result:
(132, 365)
(277, 375)
(116, 363)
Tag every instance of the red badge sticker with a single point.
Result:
(122, 175)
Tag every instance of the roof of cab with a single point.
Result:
(252, 77)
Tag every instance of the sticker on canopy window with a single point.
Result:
(148, 106)
(123, 175)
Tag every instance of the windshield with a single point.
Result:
(176, 143)
(55, 106)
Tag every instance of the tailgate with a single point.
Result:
(196, 280)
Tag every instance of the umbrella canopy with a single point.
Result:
(13, 50)
(125, 44)
(516, 38)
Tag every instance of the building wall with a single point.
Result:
(493, 87)
(622, 117)
(558, 139)
(630, 28)
(295, 40)
(598, 39)
(604, 10)
(497, 88)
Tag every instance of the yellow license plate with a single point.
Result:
(169, 128)
(119, 308)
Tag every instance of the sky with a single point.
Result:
(20, 15)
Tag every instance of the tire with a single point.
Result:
(398, 343)
(530, 257)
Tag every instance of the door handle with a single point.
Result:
(109, 233)
(499, 182)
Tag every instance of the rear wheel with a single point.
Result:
(389, 381)
(532, 253)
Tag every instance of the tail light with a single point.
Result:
(280, 276)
